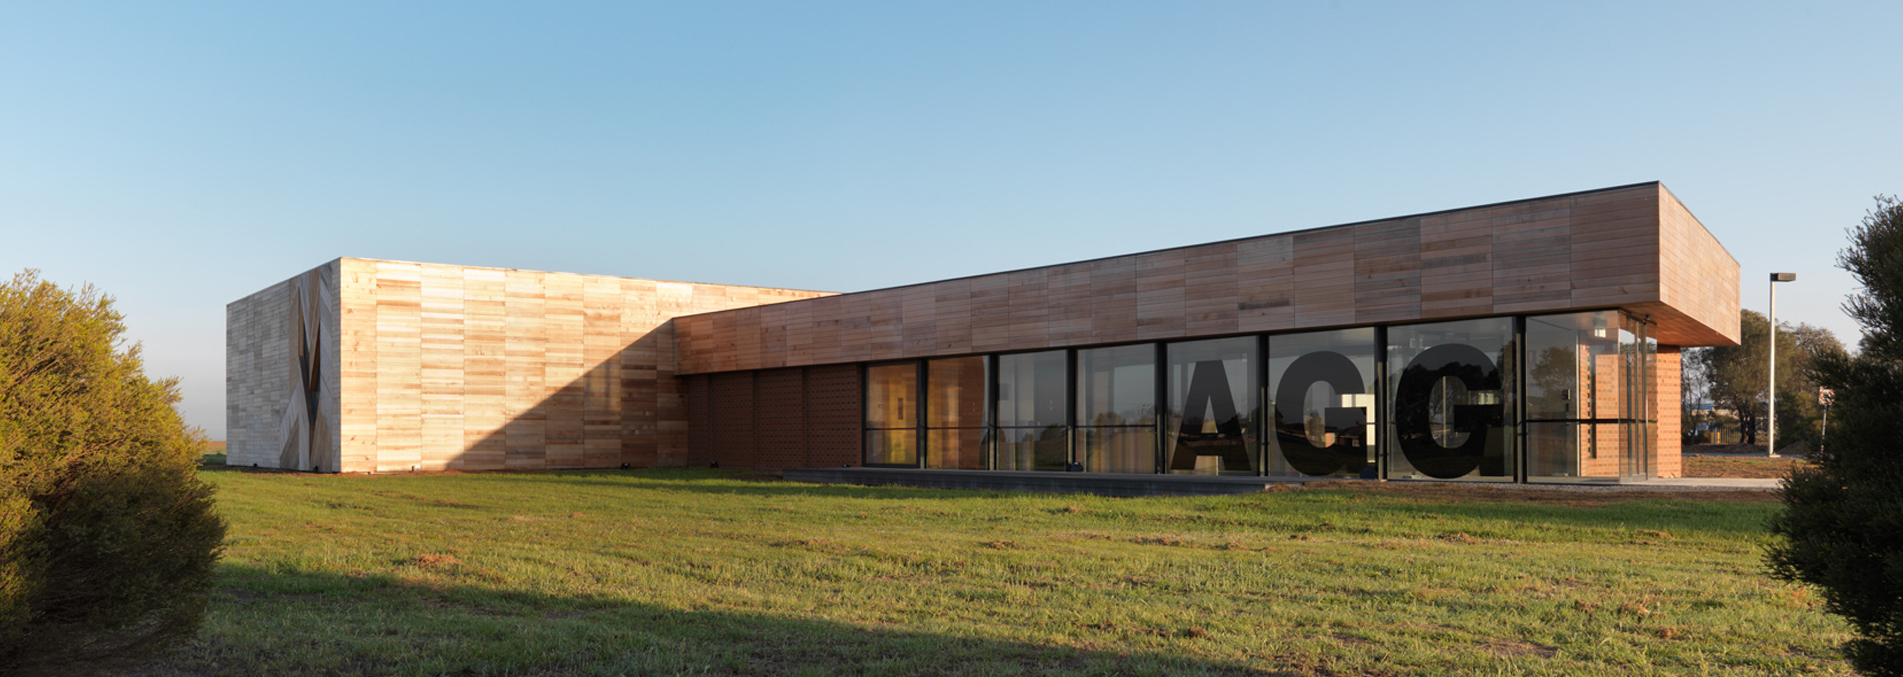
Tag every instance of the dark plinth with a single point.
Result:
(1101, 484)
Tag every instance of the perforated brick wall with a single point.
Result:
(730, 405)
(700, 429)
(780, 418)
(834, 416)
(775, 418)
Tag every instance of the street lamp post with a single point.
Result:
(1770, 408)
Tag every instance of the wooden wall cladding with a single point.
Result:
(257, 350)
(1633, 247)
(453, 367)
(774, 419)
(1700, 281)
(281, 374)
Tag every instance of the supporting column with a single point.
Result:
(1665, 402)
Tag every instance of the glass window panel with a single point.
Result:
(1117, 386)
(1322, 408)
(955, 392)
(1046, 448)
(1552, 449)
(1640, 352)
(956, 448)
(891, 395)
(1581, 407)
(1648, 407)
(1450, 386)
(1213, 407)
(1033, 390)
(892, 447)
(1123, 449)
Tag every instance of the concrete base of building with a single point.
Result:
(1112, 484)
(1100, 484)
(1713, 483)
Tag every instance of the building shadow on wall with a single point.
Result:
(631, 411)
(292, 622)
(622, 411)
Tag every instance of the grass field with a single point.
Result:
(1739, 466)
(700, 572)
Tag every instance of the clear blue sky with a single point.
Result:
(182, 155)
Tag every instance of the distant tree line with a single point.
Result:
(1733, 379)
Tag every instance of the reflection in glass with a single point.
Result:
(1045, 448)
(891, 414)
(1116, 408)
(1585, 403)
(1449, 384)
(957, 448)
(1212, 417)
(1646, 465)
(1323, 402)
(1125, 449)
(955, 392)
(1033, 398)
(892, 447)
(954, 412)
(1117, 386)
(1031, 389)
(891, 395)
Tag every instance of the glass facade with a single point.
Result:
(1116, 408)
(1323, 409)
(1033, 406)
(1210, 427)
(1545, 398)
(955, 413)
(892, 414)
(1588, 414)
(1448, 388)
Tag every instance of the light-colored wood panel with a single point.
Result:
(482, 368)
(1592, 249)
(582, 367)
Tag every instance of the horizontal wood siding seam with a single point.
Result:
(1596, 249)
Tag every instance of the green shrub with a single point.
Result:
(1842, 527)
(107, 536)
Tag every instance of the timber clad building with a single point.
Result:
(1535, 340)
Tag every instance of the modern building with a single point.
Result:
(1534, 340)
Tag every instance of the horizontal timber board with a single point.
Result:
(1585, 250)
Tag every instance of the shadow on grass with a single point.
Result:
(1731, 513)
(1346, 505)
(308, 623)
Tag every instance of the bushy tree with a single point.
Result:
(1842, 526)
(1734, 377)
(107, 536)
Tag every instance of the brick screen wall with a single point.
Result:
(1665, 401)
(700, 435)
(775, 418)
(731, 415)
(779, 414)
(834, 416)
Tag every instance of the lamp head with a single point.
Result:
(1783, 277)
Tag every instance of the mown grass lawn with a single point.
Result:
(1740, 466)
(704, 572)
